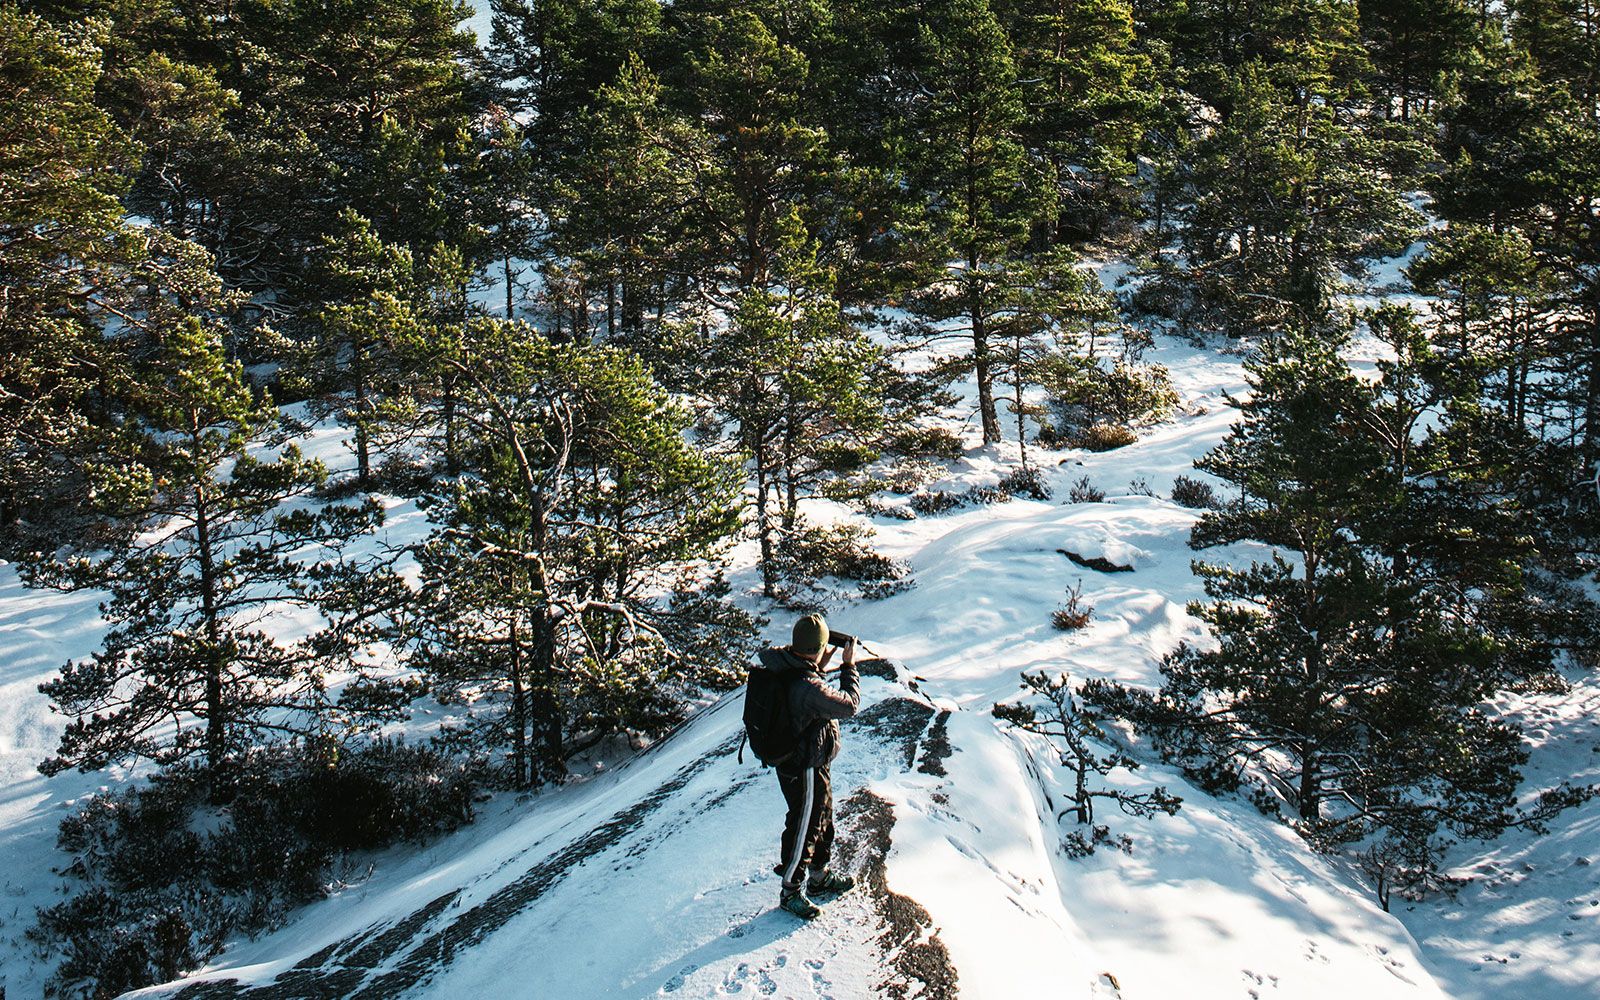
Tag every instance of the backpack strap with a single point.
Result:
(742, 741)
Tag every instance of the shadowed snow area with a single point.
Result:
(653, 881)
(655, 878)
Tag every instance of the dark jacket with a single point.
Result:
(815, 705)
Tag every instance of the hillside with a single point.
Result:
(652, 878)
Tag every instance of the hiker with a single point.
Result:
(793, 678)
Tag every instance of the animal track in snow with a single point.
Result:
(821, 985)
(733, 982)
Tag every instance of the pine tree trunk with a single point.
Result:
(508, 285)
(359, 372)
(983, 368)
(216, 710)
(519, 714)
(632, 307)
(980, 336)
(985, 374)
(1310, 799)
(1016, 382)
(1591, 416)
(546, 714)
(1310, 795)
(791, 497)
(1080, 798)
(769, 578)
(452, 463)
(547, 705)
(1310, 803)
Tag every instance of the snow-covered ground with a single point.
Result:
(654, 878)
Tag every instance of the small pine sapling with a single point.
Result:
(1075, 613)
(1407, 861)
(1084, 491)
(1070, 729)
(1027, 482)
(1193, 493)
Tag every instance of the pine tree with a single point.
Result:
(503, 191)
(766, 161)
(623, 197)
(1049, 326)
(164, 83)
(371, 298)
(553, 56)
(1073, 731)
(1417, 47)
(1563, 37)
(205, 538)
(1088, 96)
(1350, 675)
(1519, 145)
(795, 378)
(541, 585)
(264, 121)
(973, 167)
(62, 244)
(1290, 193)
(1495, 313)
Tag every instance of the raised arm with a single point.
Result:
(818, 698)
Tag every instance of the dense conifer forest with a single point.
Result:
(611, 289)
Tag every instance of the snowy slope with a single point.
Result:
(654, 879)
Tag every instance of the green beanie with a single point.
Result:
(810, 635)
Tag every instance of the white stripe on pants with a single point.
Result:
(802, 831)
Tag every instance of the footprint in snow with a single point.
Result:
(675, 984)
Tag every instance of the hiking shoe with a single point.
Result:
(830, 882)
(796, 903)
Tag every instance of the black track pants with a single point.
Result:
(808, 828)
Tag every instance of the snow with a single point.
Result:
(653, 878)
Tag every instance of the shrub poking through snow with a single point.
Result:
(985, 496)
(1051, 436)
(1193, 493)
(1406, 863)
(1086, 391)
(873, 507)
(1027, 481)
(164, 878)
(1140, 487)
(851, 489)
(935, 502)
(911, 475)
(841, 551)
(1075, 613)
(1072, 730)
(1104, 437)
(926, 442)
(1084, 491)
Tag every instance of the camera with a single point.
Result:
(841, 639)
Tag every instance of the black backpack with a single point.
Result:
(769, 723)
